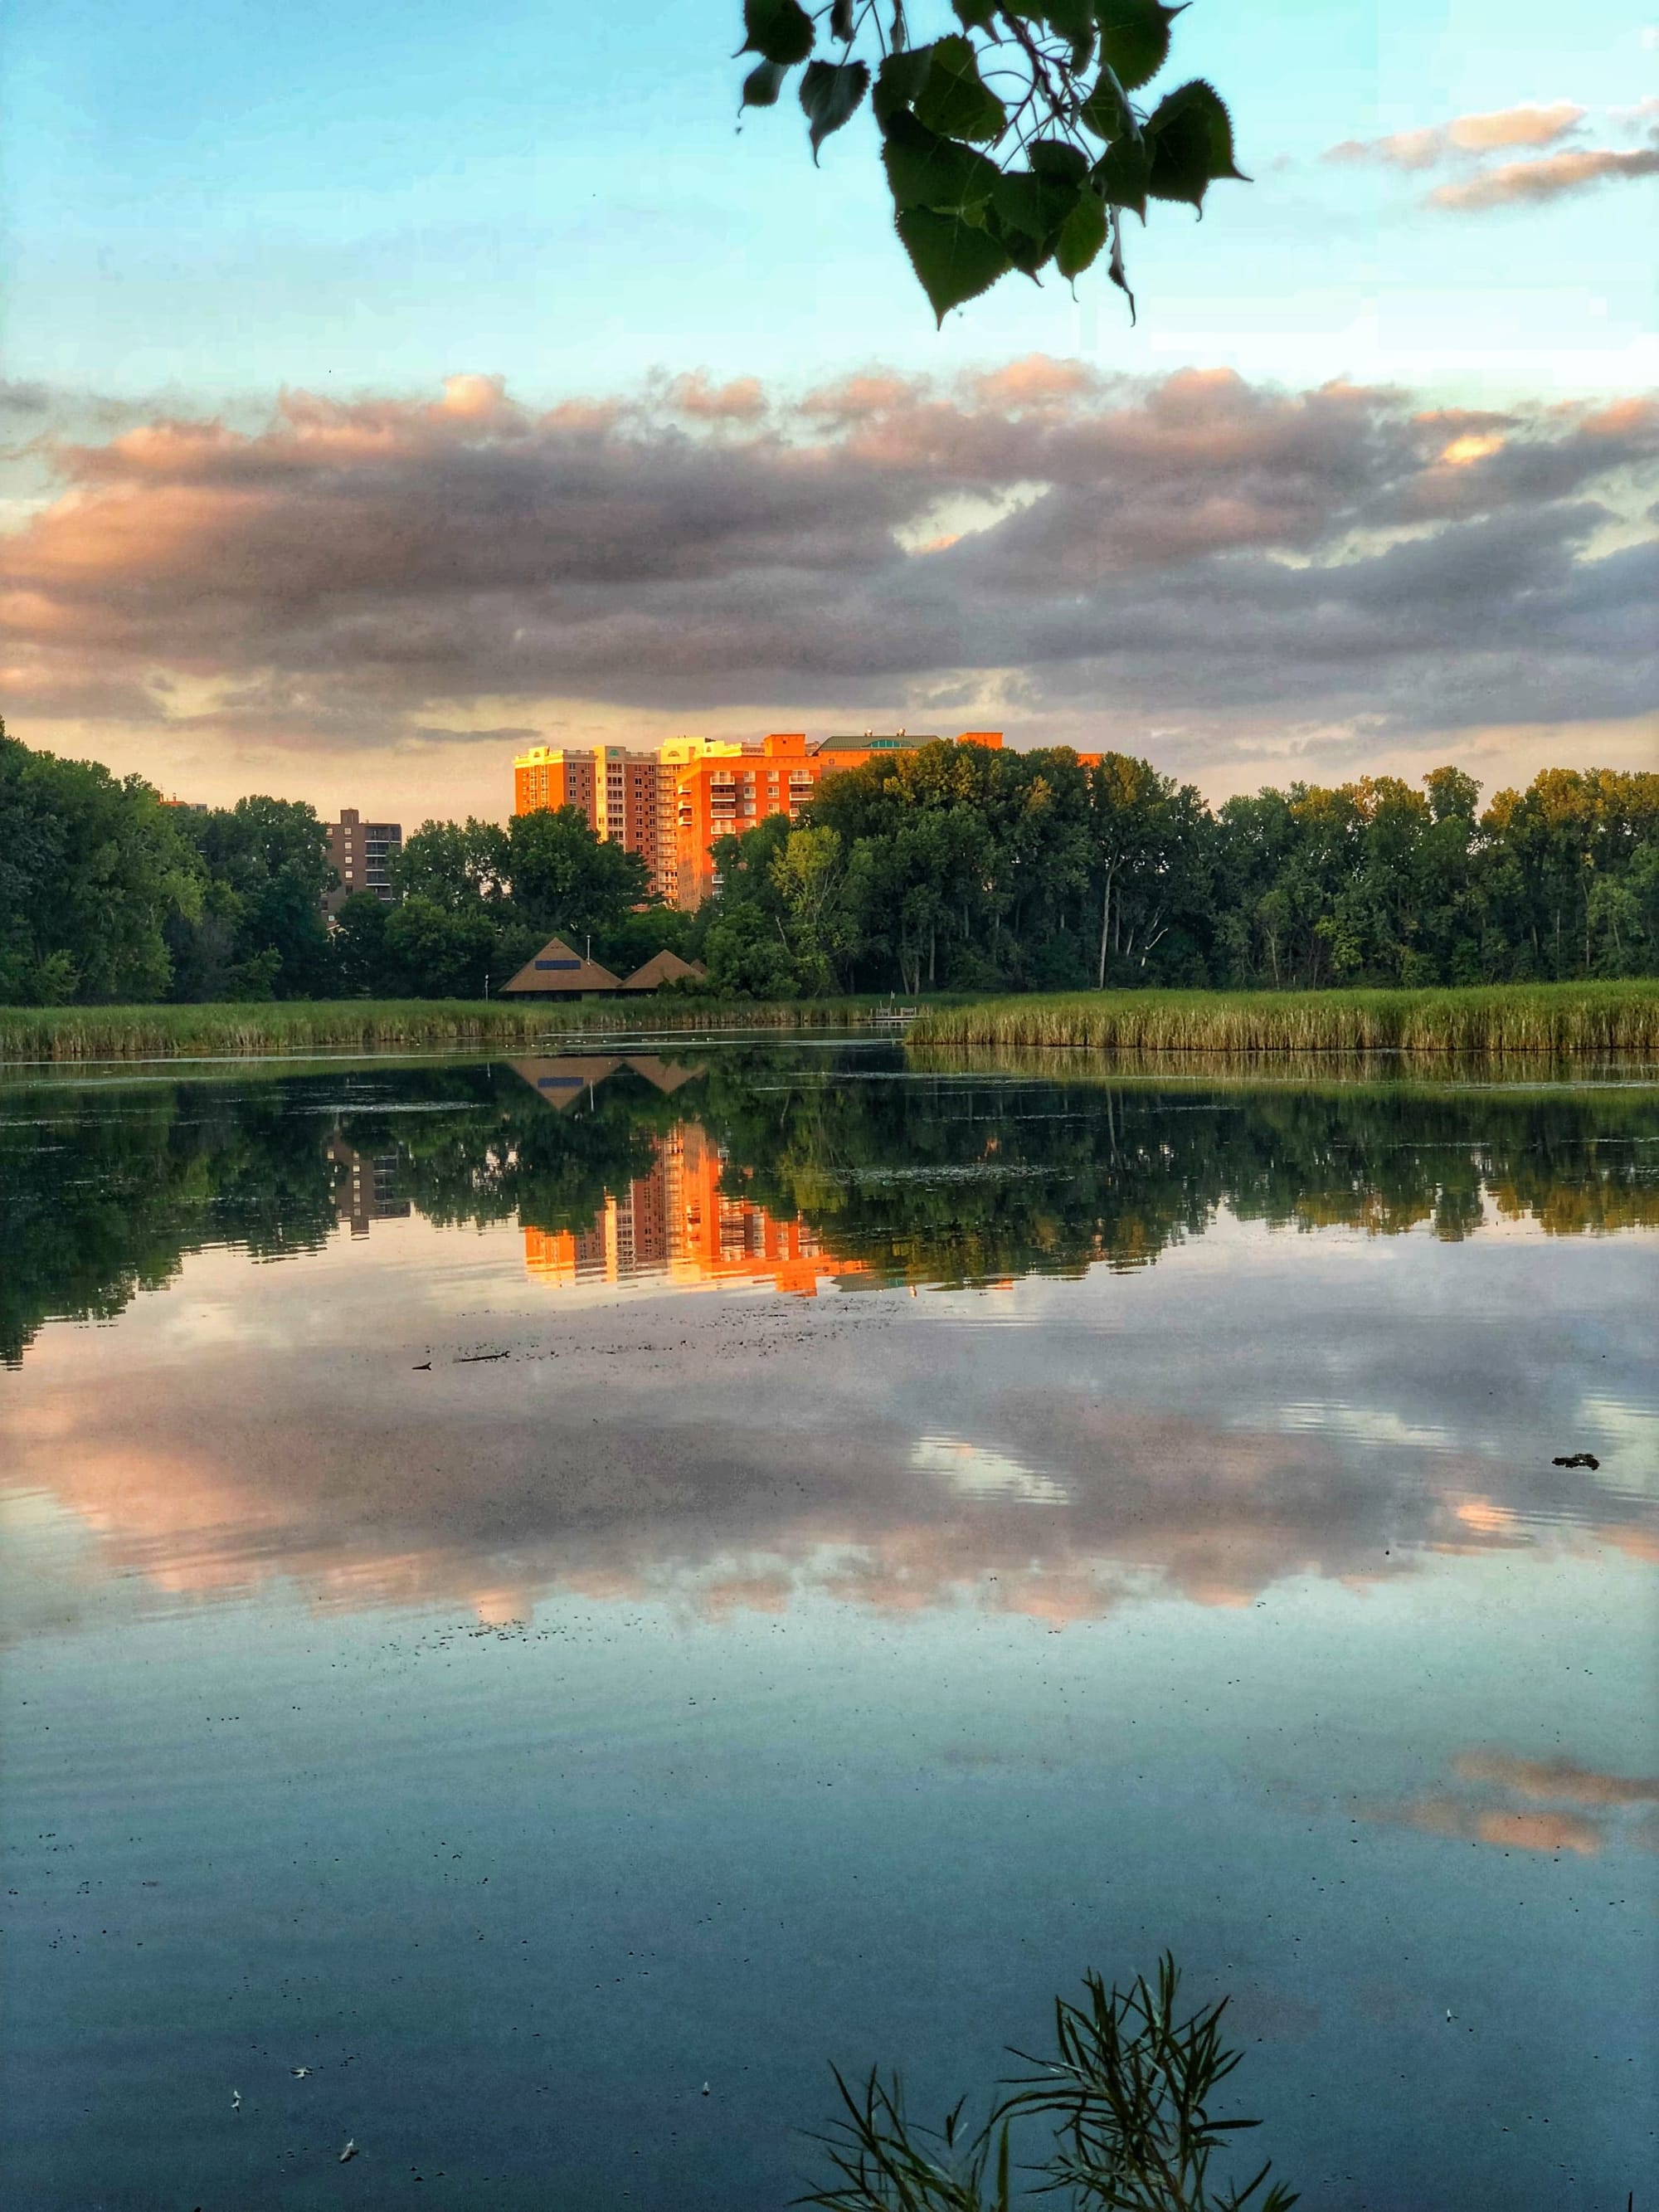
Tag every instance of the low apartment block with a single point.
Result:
(361, 854)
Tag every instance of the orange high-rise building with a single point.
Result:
(670, 806)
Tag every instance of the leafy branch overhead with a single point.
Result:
(1011, 142)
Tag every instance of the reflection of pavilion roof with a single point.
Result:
(556, 972)
(664, 967)
(563, 1079)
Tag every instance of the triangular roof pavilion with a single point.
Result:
(557, 972)
(664, 967)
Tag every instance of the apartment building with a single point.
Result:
(672, 805)
(361, 854)
(626, 797)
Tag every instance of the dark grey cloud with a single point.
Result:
(357, 575)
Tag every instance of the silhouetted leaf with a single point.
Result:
(763, 85)
(1190, 136)
(1107, 111)
(954, 259)
(829, 94)
(779, 30)
(1073, 20)
(1081, 235)
(1121, 172)
(841, 21)
(974, 14)
(1135, 38)
(923, 170)
(898, 81)
(1056, 161)
(953, 101)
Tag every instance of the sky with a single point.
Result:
(385, 390)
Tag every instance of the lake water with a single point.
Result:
(562, 1597)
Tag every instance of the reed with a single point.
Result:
(1557, 1021)
(34, 1034)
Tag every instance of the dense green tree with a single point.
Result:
(454, 864)
(565, 878)
(93, 872)
(264, 932)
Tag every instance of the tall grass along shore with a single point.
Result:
(1560, 1021)
(301, 1025)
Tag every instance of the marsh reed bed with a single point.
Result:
(34, 1034)
(1550, 1021)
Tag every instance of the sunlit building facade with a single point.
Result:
(670, 806)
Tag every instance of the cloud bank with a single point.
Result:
(1460, 143)
(1068, 548)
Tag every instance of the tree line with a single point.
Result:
(957, 867)
(948, 868)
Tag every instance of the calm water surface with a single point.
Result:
(532, 1589)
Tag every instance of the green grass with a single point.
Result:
(300, 1026)
(1558, 1021)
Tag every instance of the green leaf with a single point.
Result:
(1122, 173)
(841, 21)
(1135, 38)
(1056, 162)
(829, 94)
(1073, 20)
(923, 170)
(779, 30)
(1107, 111)
(763, 85)
(898, 81)
(1018, 201)
(1208, 101)
(974, 14)
(1082, 234)
(1190, 136)
(953, 101)
(953, 258)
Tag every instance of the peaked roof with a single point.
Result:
(556, 970)
(562, 1081)
(664, 967)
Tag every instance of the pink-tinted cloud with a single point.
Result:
(1464, 135)
(740, 401)
(1529, 183)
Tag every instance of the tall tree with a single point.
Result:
(93, 870)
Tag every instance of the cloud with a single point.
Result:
(357, 576)
(1464, 135)
(1520, 183)
(1459, 144)
(1472, 1810)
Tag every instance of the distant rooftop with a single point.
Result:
(869, 741)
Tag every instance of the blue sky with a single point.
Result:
(215, 198)
(207, 204)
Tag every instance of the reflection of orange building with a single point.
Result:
(676, 1221)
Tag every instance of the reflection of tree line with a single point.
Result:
(944, 1177)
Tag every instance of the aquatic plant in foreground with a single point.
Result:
(1128, 2090)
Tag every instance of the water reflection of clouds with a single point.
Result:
(900, 1456)
(1549, 1805)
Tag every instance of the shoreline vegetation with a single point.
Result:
(1558, 1022)
(1553, 1021)
(33, 1035)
